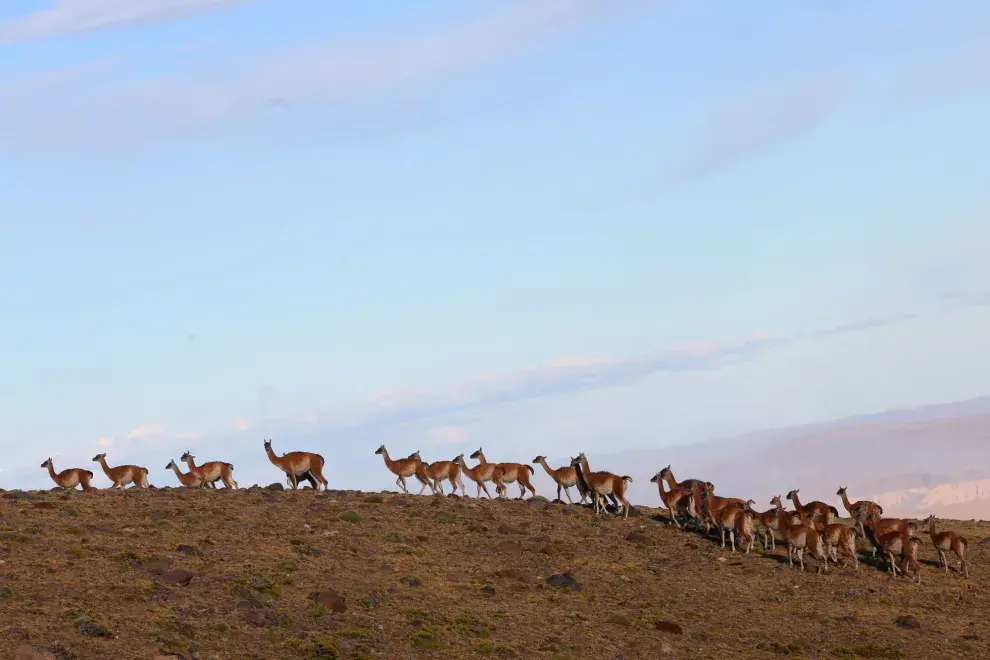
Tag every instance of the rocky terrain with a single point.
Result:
(255, 573)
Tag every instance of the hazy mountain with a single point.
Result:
(916, 460)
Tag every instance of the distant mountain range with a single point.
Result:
(917, 461)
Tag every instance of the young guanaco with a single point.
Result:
(297, 463)
(123, 474)
(211, 472)
(512, 472)
(69, 478)
(946, 541)
(187, 479)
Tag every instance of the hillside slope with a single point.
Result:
(227, 575)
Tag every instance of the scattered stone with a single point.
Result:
(261, 584)
(190, 550)
(619, 620)
(86, 626)
(330, 600)
(275, 487)
(635, 512)
(177, 577)
(168, 656)
(538, 502)
(351, 516)
(907, 621)
(508, 529)
(488, 589)
(374, 498)
(564, 581)
(669, 627)
(255, 618)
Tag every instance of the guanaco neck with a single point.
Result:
(470, 472)
(175, 468)
(51, 471)
(584, 466)
(481, 458)
(389, 463)
(931, 529)
(271, 456)
(582, 479)
(846, 503)
(553, 473)
(671, 482)
(191, 462)
(664, 497)
(797, 503)
(103, 464)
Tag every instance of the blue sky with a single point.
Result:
(534, 224)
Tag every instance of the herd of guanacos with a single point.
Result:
(811, 527)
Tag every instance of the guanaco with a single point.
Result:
(123, 474)
(481, 473)
(709, 505)
(825, 513)
(945, 541)
(405, 467)
(603, 483)
(734, 518)
(587, 471)
(677, 500)
(768, 521)
(668, 474)
(71, 477)
(297, 463)
(438, 471)
(899, 543)
(211, 472)
(187, 479)
(875, 527)
(839, 536)
(565, 477)
(512, 472)
(859, 510)
(800, 537)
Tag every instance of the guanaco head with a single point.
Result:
(416, 455)
(539, 458)
(930, 519)
(656, 478)
(380, 450)
(711, 487)
(664, 473)
(171, 464)
(459, 459)
(791, 495)
(841, 491)
(476, 454)
(47, 463)
(186, 455)
(96, 459)
(775, 501)
(268, 444)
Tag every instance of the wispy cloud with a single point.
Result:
(75, 16)
(118, 109)
(149, 430)
(105, 442)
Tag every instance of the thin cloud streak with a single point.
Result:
(116, 111)
(76, 16)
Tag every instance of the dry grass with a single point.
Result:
(425, 577)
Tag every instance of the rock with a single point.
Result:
(515, 574)
(564, 581)
(168, 656)
(330, 600)
(177, 577)
(619, 620)
(25, 652)
(351, 516)
(508, 529)
(669, 627)
(20, 495)
(374, 498)
(275, 487)
(907, 621)
(44, 505)
(260, 584)
(488, 589)
(190, 550)
(510, 547)
(539, 503)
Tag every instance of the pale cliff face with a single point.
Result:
(961, 499)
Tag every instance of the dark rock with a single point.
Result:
(374, 498)
(619, 620)
(564, 581)
(669, 627)
(488, 589)
(275, 487)
(330, 600)
(190, 550)
(638, 538)
(177, 577)
(508, 529)
(907, 621)
(255, 618)
(20, 495)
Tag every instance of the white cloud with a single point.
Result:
(148, 430)
(446, 435)
(74, 16)
(241, 424)
(189, 435)
(105, 442)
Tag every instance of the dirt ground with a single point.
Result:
(260, 574)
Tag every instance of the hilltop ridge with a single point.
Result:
(253, 573)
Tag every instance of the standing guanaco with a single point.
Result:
(481, 473)
(210, 472)
(946, 541)
(404, 467)
(565, 478)
(603, 483)
(123, 474)
(511, 472)
(297, 463)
